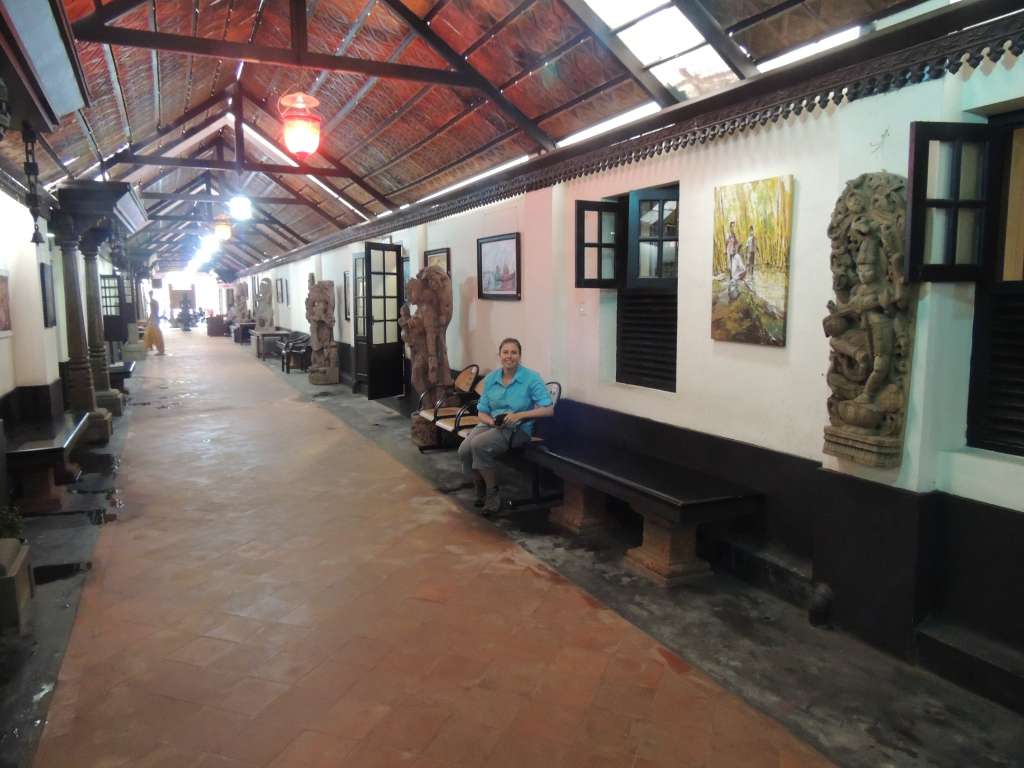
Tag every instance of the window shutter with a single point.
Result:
(600, 233)
(646, 343)
(996, 421)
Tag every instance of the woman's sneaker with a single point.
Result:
(492, 505)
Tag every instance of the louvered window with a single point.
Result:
(996, 415)
(646, 339)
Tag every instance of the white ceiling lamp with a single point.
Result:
(240, 207)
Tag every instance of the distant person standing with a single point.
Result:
(154, 337)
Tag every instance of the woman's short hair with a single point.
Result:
(510, 340)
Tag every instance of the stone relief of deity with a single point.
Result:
(265, 306)
(323, 368)
(870, 323)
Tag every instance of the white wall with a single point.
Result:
(766, 396)
(28, 356)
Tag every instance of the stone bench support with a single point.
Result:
(668, 554)
(583, 510)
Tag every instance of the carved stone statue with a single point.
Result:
(870, 323)
(265, 306)
(323, 368)
(241, 307)
(431, 293)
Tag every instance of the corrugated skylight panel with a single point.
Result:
(697, 73)
(660, 36)
(615, 13)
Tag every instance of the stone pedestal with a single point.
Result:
(101, 426)
(111, 400)
(16, 586)
(133, 351)
(668, 555)
(582, 511)
(424, 434)
(325, 376)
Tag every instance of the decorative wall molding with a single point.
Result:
(922, 62)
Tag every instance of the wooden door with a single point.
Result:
(359, 326)
(385, 360)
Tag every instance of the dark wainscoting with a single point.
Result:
(346, 361)
(40, 404)
(891, 557)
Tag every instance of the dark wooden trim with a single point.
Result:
(879, 63)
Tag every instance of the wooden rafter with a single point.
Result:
(611, 43)
(476, 80)
(717, 38)
(88, 30)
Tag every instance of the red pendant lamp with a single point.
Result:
(301, 125)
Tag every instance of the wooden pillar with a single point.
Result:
(105, 396)
(81, 391)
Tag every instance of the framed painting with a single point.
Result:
(5, 304)
(49, 306)
(498, 267)
(750, 264)
(439, 257)
(287, 294)
(348, 291)
(278, 290)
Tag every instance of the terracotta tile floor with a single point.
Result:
(280, 592)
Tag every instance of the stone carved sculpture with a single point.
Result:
(241, 308)
(424, 333)
(870, 323)
(323, 368)
(265, 306)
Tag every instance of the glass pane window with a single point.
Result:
(648, 259)
(650, 218)
(697, 73)
(598, 241)
(656, 236)
(657, 37)
(940, 169)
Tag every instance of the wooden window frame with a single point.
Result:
(958, 134)
(633, 280)
(599, 207)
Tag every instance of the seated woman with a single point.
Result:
(513, 394)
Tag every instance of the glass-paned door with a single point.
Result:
(112, 304)
(383, 283)
(359, 338)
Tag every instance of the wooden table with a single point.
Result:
(260, 336)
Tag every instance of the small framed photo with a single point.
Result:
(49, 306)
(348, 292)
(441, 257)
(287, 293)
(279, 290)
(498, 267)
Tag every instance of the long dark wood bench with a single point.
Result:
(672, 499)
(36, 452)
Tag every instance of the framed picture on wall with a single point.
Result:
(348, 291)
(279, 290)
(440, 257)
(287, 293)
(49, 306)
(498, 267)
(5, 304)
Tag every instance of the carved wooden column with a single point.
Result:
(81, 392)
(106, 397)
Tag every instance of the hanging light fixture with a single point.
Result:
(301, 126)
(240, 207)
(222, 230)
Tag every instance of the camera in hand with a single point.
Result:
(499, 419)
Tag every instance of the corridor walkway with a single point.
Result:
(280, 592)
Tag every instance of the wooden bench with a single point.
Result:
(264, 343)
(672, 499)
(119, 372)
(35, 453)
